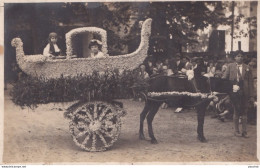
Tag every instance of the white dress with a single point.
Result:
(98, 55)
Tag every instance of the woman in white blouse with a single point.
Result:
(211, 69)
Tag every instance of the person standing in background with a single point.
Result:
(178, 61)
(211, 70)
(252, 112)
(149, 67)
(206, 61)
(173, 65)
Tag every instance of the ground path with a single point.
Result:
(42, 136)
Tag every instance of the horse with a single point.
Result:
(162, 84)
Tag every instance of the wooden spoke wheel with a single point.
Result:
(95, 126)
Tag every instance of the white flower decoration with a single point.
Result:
(175, 93)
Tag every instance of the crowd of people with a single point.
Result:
(179, 66)
(183, 66)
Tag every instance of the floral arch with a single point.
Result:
(81, 30)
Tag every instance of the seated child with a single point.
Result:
(95, 47)
(52, 49)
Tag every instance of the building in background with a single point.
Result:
(247, 42)
(217, 41)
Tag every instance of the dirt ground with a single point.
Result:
(42, 136)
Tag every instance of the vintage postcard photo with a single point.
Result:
(152, 82)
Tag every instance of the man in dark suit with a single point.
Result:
(179, 63)
(173, 64)
(243, 91)
(199, 70)
(206, 61)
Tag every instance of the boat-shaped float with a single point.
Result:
(48, 68)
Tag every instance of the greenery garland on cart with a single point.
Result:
(31, 91)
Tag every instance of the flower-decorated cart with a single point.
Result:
(94, 124)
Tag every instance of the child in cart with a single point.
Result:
(52, 49)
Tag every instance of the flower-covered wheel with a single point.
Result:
(95, 126)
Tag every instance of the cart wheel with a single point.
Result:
(95, 126)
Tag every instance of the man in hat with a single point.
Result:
(241, 76)
(95, 47)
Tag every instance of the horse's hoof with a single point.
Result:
(202, 139)
(154, 141)
(141, 137)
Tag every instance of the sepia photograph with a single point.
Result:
(152, 82)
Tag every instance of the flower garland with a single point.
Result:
(174, 93)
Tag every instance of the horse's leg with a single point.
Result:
(200, 116)
(142, 117)
(150, 117)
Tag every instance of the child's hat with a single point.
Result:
(95, 42)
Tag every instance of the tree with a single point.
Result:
(179, 22)
(176, 21)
